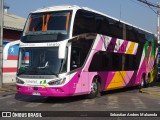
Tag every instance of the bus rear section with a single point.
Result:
(10, 57)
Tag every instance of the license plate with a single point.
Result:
(36, 93)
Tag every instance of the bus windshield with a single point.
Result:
(40, 61)
(55, 24)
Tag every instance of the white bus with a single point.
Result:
(71, 50)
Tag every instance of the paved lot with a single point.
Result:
(129, 99)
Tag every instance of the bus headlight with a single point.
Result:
(19, 81)
(57, 82)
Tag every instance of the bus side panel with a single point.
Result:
(119, 79)
(146, 64)
(83, 85)
(152, 69)
(114, 80)
(80, 83)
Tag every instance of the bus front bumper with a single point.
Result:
(41, 91)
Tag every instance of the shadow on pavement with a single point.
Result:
(40, 99)
(155, 84)
(52, 100)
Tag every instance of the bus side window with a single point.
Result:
(75, 58)
(96, 62)
(117, 62)
(106, 64)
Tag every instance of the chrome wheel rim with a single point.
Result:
(94, 87)
(142, 83)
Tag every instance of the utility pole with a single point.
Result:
(158, 15)
(1, 42)
(158, 23)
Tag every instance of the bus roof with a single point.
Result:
(57, 8)
(75, 7)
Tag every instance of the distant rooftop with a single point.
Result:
(6, 6)
(13, 22)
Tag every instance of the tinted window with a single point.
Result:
(130, 62)
(47, 27)
(104, 61)
(57, 23)
(88, 22)
(84, 23)
(79, 51)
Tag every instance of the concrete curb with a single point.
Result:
(8, 88)
(3, 91)
(153, 90)
(150, 92)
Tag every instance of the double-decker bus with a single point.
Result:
(71, 50)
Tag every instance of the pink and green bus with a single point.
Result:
(70, 50)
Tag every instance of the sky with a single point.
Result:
(130, 11)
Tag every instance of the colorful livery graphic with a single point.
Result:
(10, 57)
(69, 50)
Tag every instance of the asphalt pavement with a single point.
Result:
(152, 89)
(119, 100)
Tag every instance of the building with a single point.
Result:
(13, 25)
(12, 31)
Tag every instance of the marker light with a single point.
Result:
(57, 82)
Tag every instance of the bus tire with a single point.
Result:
(95, 89)
(148, 81)
(143, 84)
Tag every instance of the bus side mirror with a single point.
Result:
(62, 50)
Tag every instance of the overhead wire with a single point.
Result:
(138, 3)
(149, 4)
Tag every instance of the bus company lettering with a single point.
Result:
(31, 81)
(27, 44)
(53, 44)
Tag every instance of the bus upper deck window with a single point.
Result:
(50, 23)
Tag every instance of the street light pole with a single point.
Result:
(1, 42)
(158, 24)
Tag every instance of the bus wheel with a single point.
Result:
(142, 85)
(95, 87)
(148, 81)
